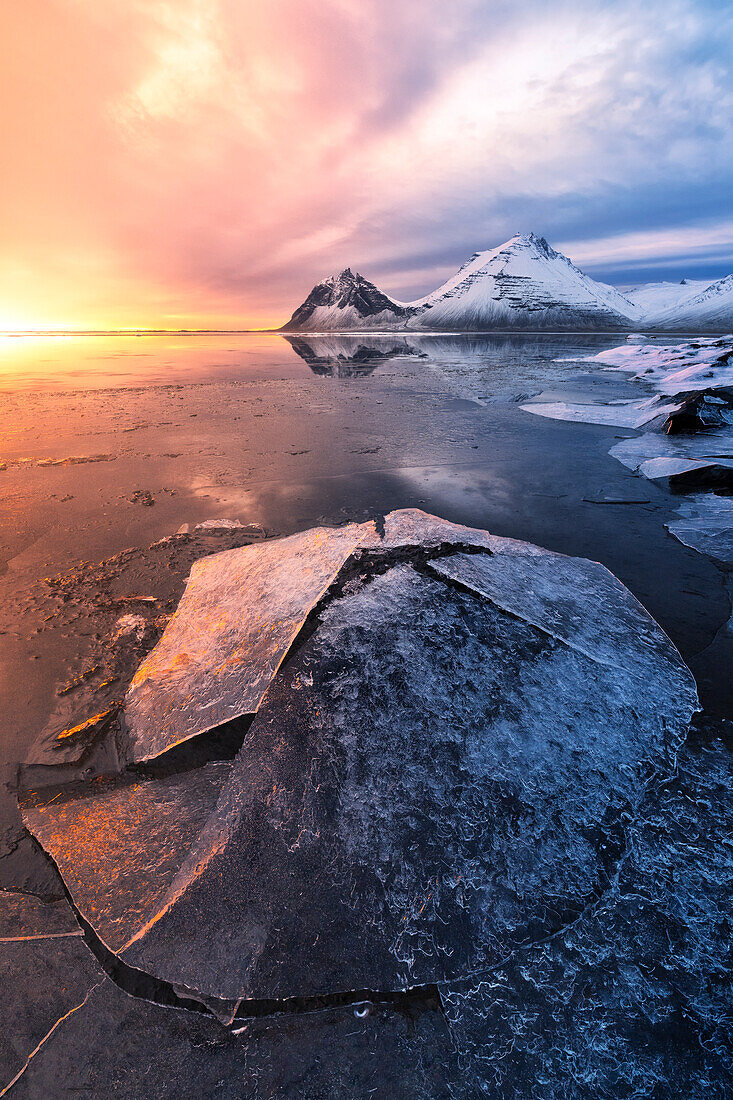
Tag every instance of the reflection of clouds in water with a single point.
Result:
(279, 504)
(285, 504)
(446, 488)
(225, 501)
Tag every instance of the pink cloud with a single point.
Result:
(209, 159)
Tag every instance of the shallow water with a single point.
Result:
(286, 432)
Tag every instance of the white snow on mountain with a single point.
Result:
(522, 284)
(710, 308)
(653, 299)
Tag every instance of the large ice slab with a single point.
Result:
(238, 616)
(441, 769)
(627, 414)
(402, 781)
(554, 593)
(710, 447)
(413, 527)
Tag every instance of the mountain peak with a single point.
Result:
(348, 296)
(530, 241)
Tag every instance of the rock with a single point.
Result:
(444, 761)
(345, 300)
(702, 411)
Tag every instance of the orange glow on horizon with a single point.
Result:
(201, 165)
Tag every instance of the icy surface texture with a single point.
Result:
(119, 845)
(706, 524)
(634, 999)
(239, 614)
(441, 771)
(411, 527)
(119, 1045)
(554, 593)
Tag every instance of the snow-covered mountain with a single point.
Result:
(522, 284)
(346, 301)
(710, 310)
(654, 299)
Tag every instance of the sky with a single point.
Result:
(202, 163)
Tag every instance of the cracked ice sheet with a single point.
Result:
(672, 370)
(41, 980)
(119, 845)
(413, 527)
(120, 1045)
(630, 414)
(590, 1013)
(236, 620)
(23, 916)
(554, 593)
(655, 468)
(706, 525)
(707, 447)
(434, 780)
(240, 613)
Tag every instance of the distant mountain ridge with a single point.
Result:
(522, 284)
